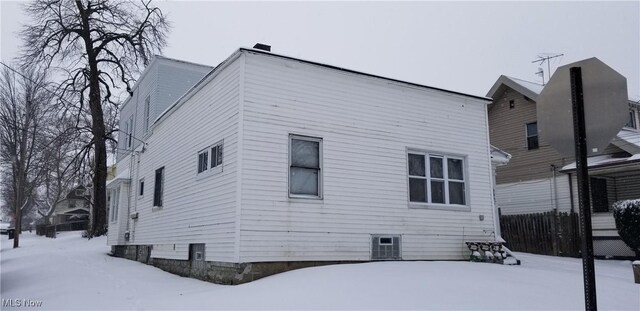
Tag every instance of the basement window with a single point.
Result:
(385, 247)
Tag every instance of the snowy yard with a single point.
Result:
(73, 273)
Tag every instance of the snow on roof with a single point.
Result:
(604, 160)
(499, 156)
(122, 176)
(628, 140)
(527, 88)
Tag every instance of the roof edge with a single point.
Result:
(364, 73)
(509, 82)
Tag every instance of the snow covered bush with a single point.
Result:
(627, 216)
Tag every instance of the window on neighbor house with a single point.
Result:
(79, 192)
(130, 133)
(305, 164)
(141, 187)
(216, 155)
(436, 179)
(631, 123)
(203, 158)
(599, 196)
(72, 204)
(147, 104)
(532, 135)
(158, 188)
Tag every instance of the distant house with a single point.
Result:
(271, 162)
(74, 207)
(538, 179)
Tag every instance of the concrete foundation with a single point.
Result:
(214, 271)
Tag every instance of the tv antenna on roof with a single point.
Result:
(545, 58)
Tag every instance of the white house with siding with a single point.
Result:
(274, 159)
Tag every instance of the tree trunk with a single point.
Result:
(99, 210)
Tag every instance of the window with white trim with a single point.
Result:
(147, 104)
(305, 165)
(115, 195)
(130, 133)
(158, 187)
(436, 179)
(216, 155)
(203, 158)
(210, 158)
(141, 188)
(532, 136)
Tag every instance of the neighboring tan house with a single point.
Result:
(538, 179)
(271, 162)
(74, 207)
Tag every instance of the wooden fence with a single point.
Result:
(548, 233)
(50, 230)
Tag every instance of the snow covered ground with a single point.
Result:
(70, 273)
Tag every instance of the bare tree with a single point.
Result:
(63, 168)
(24, 101)
(101, 45)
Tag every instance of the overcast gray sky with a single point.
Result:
(461, 46)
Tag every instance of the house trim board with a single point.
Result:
(240, 147)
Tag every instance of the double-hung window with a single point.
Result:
(532, 135)
(305, 165)
(115, 196)
(436, 179)
(158, 187)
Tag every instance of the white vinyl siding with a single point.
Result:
(534, 196)
(193, 210)
(366, 125)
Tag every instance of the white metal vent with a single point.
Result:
(385, 247)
